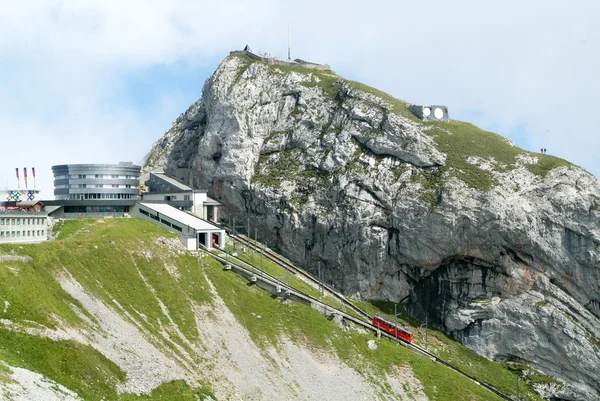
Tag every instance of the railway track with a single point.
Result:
(274, 257)
(251, 270)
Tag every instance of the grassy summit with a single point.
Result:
(463, 143)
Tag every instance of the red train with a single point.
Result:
(392, 329)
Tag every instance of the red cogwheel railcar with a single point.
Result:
(392, 329)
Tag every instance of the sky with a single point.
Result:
(98, 81)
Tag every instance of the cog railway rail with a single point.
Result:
(251, 271)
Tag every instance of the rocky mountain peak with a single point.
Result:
(495, 245)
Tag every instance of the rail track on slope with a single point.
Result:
(286, 264)
(251, 271)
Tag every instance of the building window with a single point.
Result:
(1, 234)
(82, 176)
(99, 176)
(99, 186)
(95, 209)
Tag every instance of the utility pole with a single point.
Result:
(253, 251)
(320, 279)
(234, 249)
(289, 42)
(261, 257)
(518, 398)
(426, 333)
(396, 316)
(332, 299)
(255, 240)
(286, 276)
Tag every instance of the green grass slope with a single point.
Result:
(119, 260)
(100, 257)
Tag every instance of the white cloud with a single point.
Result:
(67, 64)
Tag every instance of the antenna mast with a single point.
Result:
(289, 56)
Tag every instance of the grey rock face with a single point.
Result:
(332, 172)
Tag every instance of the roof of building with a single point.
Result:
(173, 181)
(211, 201)
(182, 217)
(28, 203)
(96, 166)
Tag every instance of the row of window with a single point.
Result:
(96, 209)
(174, 197)
(81, 176)
(25, 222)
(18, 234)
(101, 196)
(69, 186)
(165, 222)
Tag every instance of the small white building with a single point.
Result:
(167, 189)
(20, 226)
(193, 231)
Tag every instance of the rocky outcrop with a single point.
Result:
(497, 246)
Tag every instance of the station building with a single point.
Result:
(95, 190)
(167, 189)
(113, 190)
(193, 231)
(20, 226)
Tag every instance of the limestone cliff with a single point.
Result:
(495, 245)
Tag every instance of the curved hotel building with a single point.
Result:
(96, 188)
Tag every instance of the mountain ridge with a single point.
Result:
(330, 170)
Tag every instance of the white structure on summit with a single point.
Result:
(274, 60)
(430, 112)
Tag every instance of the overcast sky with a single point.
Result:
(100, 81)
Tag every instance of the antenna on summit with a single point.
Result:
(289, 54)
